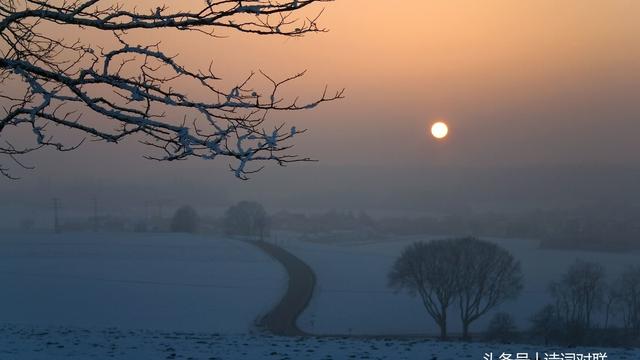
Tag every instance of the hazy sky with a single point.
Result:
(524, 85)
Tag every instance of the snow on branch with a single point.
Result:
(65, 82)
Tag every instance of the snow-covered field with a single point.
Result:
(165, 296)
(136, 281)
(57, 343)
(352, 296)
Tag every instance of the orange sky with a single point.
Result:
(519, 82)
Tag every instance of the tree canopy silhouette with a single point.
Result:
(476, 274)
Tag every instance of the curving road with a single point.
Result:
(281, 320)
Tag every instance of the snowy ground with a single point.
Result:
(85, 296)
(352, 296)
(136, 281)
(33, 343)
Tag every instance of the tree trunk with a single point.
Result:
(465, 331)
(443, 329)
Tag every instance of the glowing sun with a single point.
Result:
(439, 130)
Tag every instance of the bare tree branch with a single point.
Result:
(111, 94)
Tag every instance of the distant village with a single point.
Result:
(586, 229)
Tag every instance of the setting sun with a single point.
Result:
(439, 130)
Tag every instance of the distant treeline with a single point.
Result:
(557, 229)
(602, 229)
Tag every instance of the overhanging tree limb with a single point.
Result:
(110, 94)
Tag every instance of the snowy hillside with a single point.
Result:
(136, 281)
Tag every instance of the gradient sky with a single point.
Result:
(523, 85)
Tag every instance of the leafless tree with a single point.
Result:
(246, 218)
(580, 293)
(611, 303)
(429, 269)
(546, 324)
(478, 274)
(489, 276)
(111, 93)
(628, 291)
(502, 328)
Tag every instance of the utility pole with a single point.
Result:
(56, 218)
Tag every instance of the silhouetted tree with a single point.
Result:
(580, 292)
(489, 275)
(577, 296)
(185, 220)
(121, 87)
(246, 218)
(478, 274)
(628, 291)
(502, 328)
(611, 303)
(546, 324)
(430, 270)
